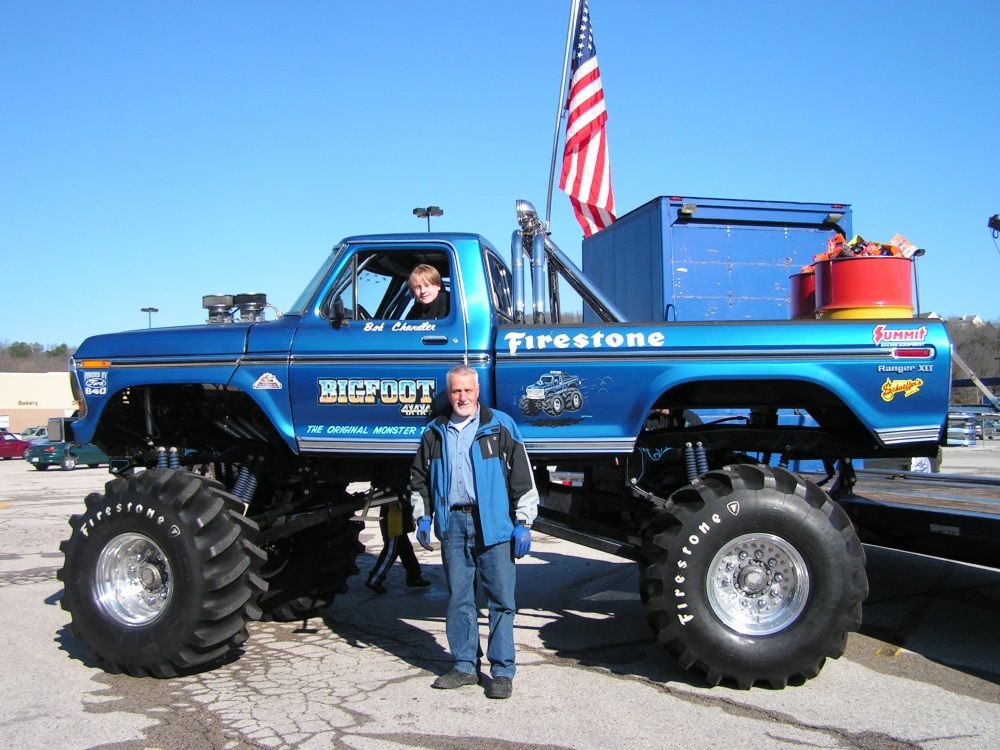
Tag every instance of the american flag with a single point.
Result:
(586, 168)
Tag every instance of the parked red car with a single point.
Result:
(12, 446)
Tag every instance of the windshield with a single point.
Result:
(298, 307)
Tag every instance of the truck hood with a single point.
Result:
(202, 341)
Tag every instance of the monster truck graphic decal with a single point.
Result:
(554, 392)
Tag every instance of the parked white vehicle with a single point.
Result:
(35, 434)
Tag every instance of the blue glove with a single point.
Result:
(424, 532)
(522, 540)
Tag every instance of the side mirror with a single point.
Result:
(56, 430)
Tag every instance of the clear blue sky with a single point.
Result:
(151, 153)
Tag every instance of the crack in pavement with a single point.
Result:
(27, 577)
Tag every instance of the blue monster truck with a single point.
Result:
(234, 446)
(554, 392)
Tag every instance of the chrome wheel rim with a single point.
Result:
(758, 584)
(133, 582)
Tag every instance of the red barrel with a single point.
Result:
(863, 286)
(803, 295)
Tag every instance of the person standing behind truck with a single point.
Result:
(430, 300)
(395, 522)
(472, 478)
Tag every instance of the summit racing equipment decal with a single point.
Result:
(414, 397)
(95, 383)
(907, 387)
(598, 340)
(882, 335)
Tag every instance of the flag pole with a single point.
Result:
(574, 9)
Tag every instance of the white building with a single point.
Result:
(30, 398)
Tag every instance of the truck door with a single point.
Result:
(364, 371)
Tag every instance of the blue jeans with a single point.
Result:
(463, 555)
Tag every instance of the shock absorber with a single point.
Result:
(173, 459)
(701, 457)
(690, 462)
(161, 457)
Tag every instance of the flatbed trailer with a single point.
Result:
(954, 516)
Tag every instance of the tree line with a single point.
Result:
(977, 342)
(20, 356)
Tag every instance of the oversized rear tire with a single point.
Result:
(752, 574)
(304, 572)
(160, 576)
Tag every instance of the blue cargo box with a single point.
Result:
(689, 258)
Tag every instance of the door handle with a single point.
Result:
(434, 339)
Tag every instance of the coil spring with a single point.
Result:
(242, 479)
(246, 483)
(702, 458)
(250, 489)
(690, 462)
(173, 459)
(161, 457)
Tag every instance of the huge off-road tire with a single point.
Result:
(752, 574)
(304, 572)
(160, 576)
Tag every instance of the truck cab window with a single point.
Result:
(374, 285)
(500, 287)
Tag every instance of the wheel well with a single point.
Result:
(829, 411)
(189, 416)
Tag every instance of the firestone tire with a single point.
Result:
(306, 571)
(160, 576)
(750, 575)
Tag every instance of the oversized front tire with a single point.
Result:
(752, 574)
(160, 576)
(305, 571)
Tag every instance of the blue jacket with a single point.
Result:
(504, 482)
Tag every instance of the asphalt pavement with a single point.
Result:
(924, 672)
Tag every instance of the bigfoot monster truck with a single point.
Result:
(234, 445)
